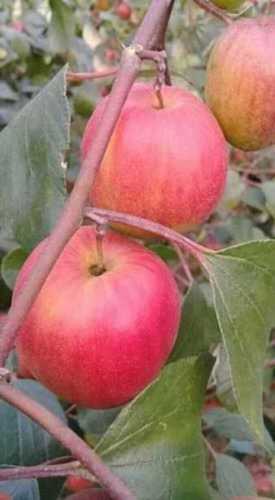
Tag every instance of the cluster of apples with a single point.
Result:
(100, 332)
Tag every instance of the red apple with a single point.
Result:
(17, 25)
(97, 337)
(240, 87)
(90, 494)
(2, 319)
(123, 10)
(76, 483)
(165, 164)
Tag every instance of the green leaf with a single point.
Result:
(268, 189)
(21, 489)
(198, 328)
(232, 426)
(155, 443)
(61, 29)
(235, 187)
(50, 487)
(24, 442)
(233, 478)
(243, 283)
(96, 422)
(32, 188)
(11, 265)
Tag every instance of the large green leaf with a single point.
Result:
(21, 489)
(96, 422)
(233, 478)
(11, 265)
(61, 29)
(233, 426)
(155, 443)
(243, 283)
(32, 189)
(198, 328)
(24, 442)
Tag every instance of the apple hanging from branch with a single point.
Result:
(166, 164)
(103, 324)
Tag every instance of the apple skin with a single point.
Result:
(97, 341)
(90, 494)
(168, 165)
(240, 86)
(3, 317)
(76, 483)
(124, 11)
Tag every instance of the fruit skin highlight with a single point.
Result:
(240, 86)
(97, 341)
(168, 165)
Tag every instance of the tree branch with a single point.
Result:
(215, 11)
(80, 450)
(43, 470)
(71, 217)
(93, 75)
(103, 216)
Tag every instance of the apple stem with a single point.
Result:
(160, 98)
(159, 57)
(99, 214)
(45, 470)
(183, 263)
(100, 232)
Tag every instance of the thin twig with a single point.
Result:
(99, 214)
(58, 429)
(215, 11)
(93, 75)
(44, 470)
(183, 263)
(210, 448)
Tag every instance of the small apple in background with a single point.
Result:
(111, 55)
(17, 25)
(76, 483)
(102, 5)
(99, 334)
(123, 10)
(240, 85)
(166, 164)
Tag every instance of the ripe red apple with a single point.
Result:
(165, 164)
(90, 494)
(2, 319)
(95, 336)
(240, 86)
(123, 10)
(76, 483)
